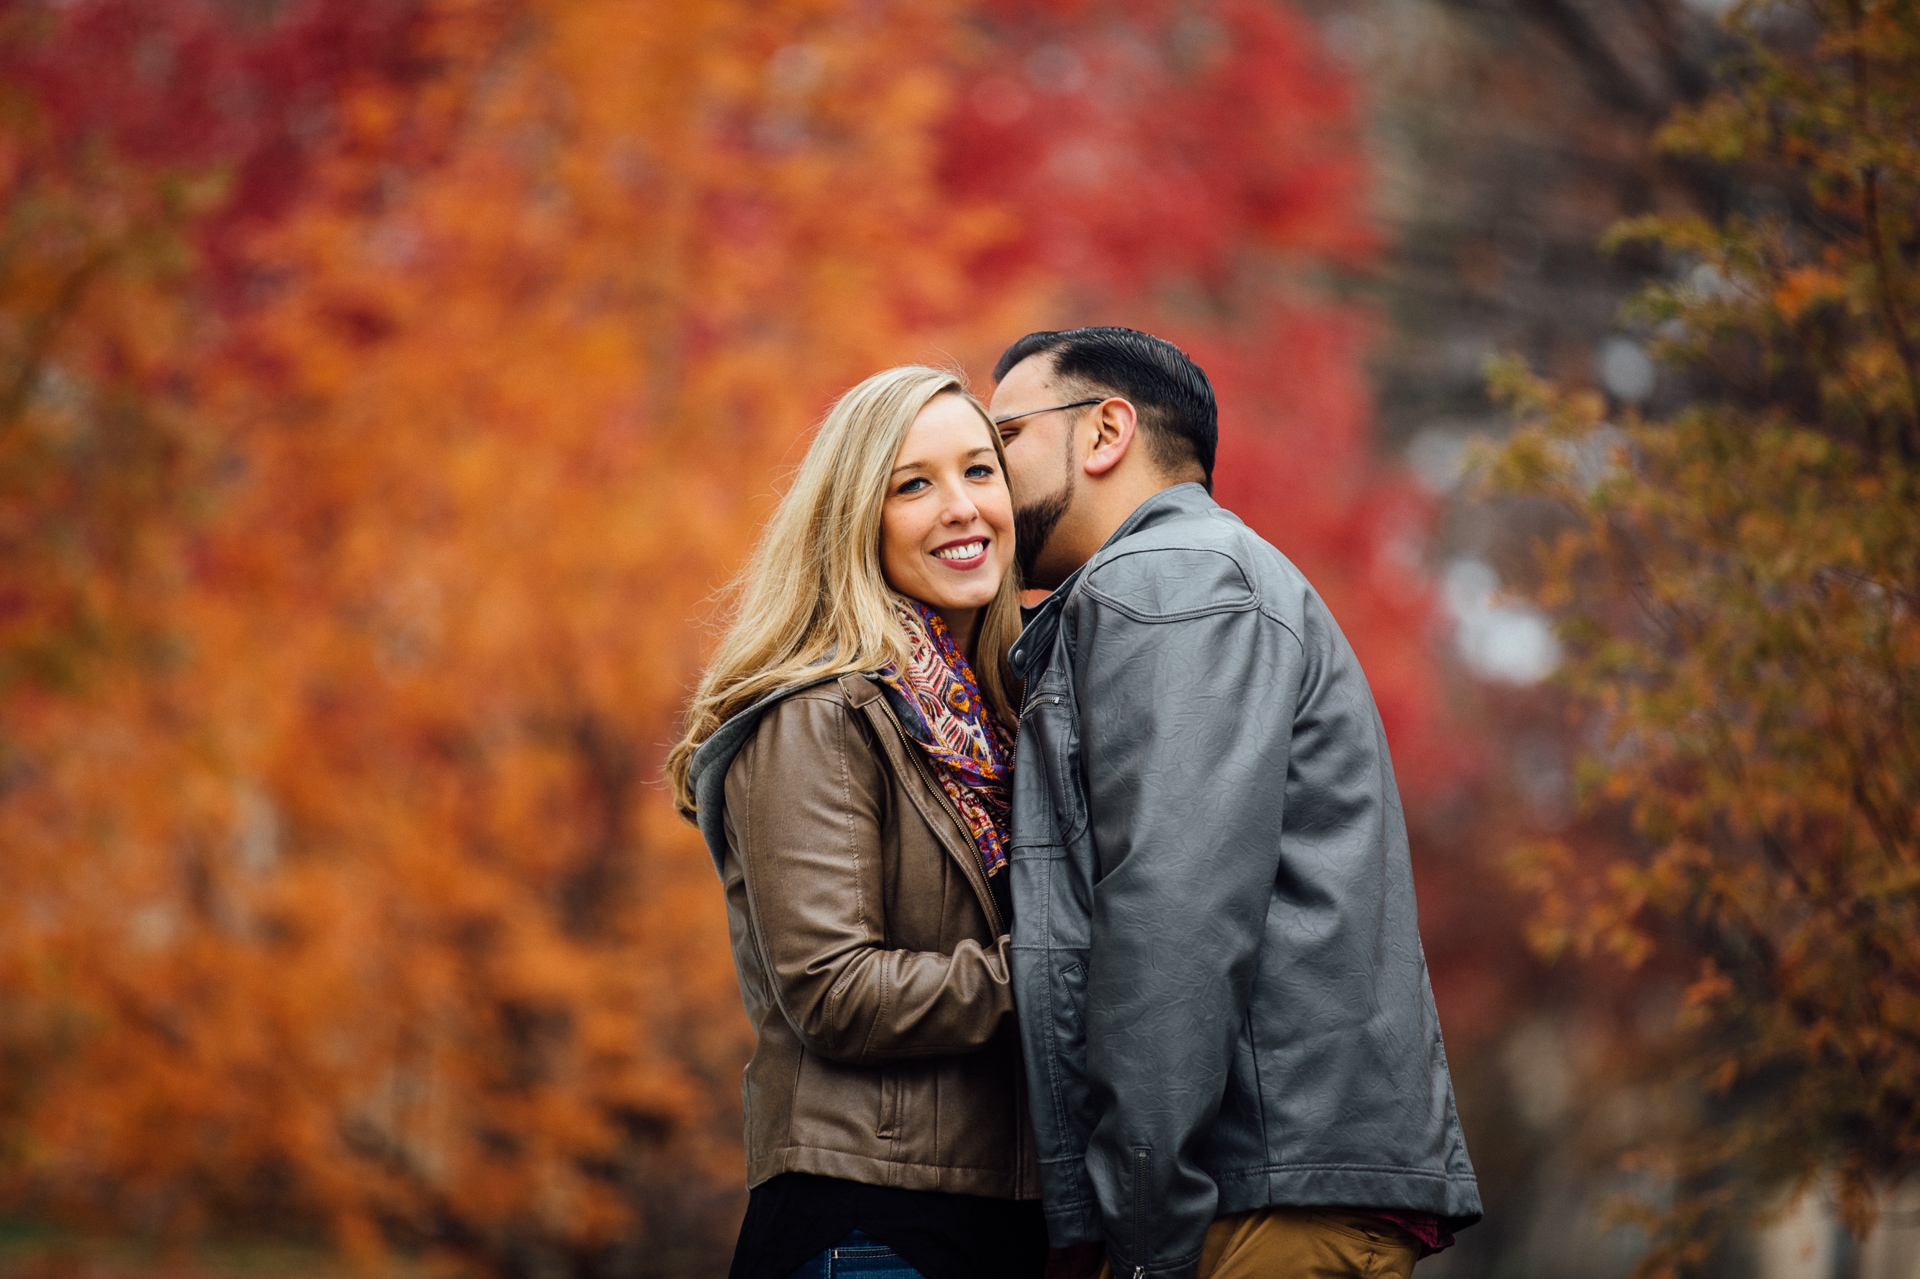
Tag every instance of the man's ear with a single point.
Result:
(1114, 427)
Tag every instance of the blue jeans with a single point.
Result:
(857, 1254)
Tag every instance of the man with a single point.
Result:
(1231, 1043)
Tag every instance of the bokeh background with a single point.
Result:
(389, 388)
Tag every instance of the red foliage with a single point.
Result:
(186, 87)
(1153, 142)
(1183, 169)
(356, 518)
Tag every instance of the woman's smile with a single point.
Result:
(965, 555)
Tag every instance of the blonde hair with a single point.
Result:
(813, 603)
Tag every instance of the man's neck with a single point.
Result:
(1104, 510)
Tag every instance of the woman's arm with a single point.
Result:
(805, 800)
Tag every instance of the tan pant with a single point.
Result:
(1304, 1243)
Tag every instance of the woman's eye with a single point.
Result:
(913, 485)
(980, 471)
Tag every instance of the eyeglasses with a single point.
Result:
(1055, 408)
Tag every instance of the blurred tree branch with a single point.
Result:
(1765, 754)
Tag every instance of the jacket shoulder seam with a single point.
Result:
(1252, 604)
(1248, 600)
(1283, 624)
(1122, 552)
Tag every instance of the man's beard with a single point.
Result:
(1033, 525)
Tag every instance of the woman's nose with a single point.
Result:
(959, 509)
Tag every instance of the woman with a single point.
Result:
(848, 761)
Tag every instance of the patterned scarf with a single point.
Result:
(971, 753)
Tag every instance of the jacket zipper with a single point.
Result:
(1139, 1213)
(926, 775)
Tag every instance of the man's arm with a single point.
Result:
(1187, 697)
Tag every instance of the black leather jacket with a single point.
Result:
(1216, 960)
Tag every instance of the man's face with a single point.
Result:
(1040, 460)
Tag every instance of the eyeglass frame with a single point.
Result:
(999, 422)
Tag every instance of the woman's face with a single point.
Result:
(946, 531)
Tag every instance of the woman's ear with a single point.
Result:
(1114, 426)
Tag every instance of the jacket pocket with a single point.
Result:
(1071, 1014)
(1049, 810)
(1067, 1064)
(887, 1124)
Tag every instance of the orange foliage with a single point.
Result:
(1736, 584)
(369, 459)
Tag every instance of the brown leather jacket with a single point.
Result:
(872, 959)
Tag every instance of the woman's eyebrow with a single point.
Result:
(921, 466)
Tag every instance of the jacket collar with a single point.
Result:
(1190, 498)
(1042, 620)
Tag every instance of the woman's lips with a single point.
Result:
(970, 553)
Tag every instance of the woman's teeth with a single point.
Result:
(964, 551)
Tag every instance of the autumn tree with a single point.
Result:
(1737, 590)
(108, 198)
(394, 386)
(332, 900)
(1197, 170)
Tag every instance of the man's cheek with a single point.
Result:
(1016, 471)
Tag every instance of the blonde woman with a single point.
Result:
(847, 760)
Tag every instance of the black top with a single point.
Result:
(1002, 894)
(797, 1215)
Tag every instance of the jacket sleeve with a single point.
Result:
(1187, 695)
(805, 801)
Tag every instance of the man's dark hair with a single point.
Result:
(1168, 391)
